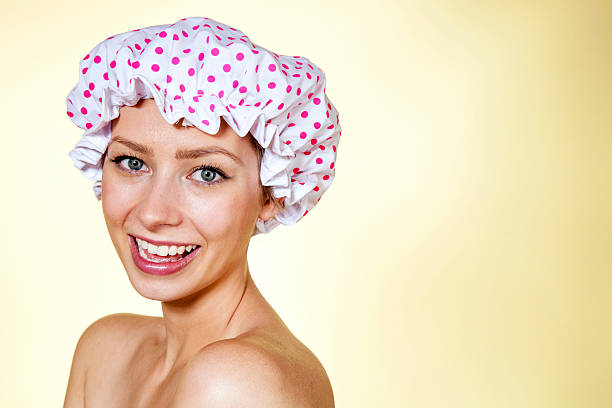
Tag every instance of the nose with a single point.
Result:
(160, 204)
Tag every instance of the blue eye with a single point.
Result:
(206, 174)
(133, 163)
(129, 163)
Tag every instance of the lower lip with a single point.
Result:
(160, 269)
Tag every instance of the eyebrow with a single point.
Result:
(180, 154)
(132, 145)
(197, 153)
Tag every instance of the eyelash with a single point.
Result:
(118, 159)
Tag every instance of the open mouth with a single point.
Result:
(163, 253)
(161, 258)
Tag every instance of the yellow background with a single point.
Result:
(461, 258)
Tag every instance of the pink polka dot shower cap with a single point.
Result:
(201, 70)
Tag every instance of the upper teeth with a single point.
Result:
(163, 250)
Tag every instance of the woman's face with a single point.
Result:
(193, 197)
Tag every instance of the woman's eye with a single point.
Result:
(130, 163)
(208, 175)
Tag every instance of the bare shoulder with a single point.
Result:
(255, 370)
(118, 334)
(115, 330)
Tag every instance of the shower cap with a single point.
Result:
(200, 70)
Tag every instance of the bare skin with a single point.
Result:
(219, 342)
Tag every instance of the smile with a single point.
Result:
(161, 258)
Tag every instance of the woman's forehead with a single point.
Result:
(143, 123)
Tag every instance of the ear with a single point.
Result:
(270, 208)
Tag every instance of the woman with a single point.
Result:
(182, 193)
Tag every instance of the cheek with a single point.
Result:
(115, 199)
(230, 215)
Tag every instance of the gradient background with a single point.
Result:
(461, 258)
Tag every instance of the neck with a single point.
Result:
(197, 320)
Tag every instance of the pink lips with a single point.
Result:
(163, 268)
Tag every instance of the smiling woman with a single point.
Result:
(181, 202)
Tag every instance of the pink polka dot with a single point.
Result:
(227, 67)
(288, 88)
(303, 135)
(214, 51)
(191, 72)
(168, 79)
(84, 71)
(84, 110)
(186, 50)
(175, 37)
(135, 64)
(257, 87)
(316, 101)
(191, 110)
(138, 47)
(154, 67)
(319, 160)
(240, 56)
(326, 177)
(201, 56)
(308, 75)
(271, 85)
(91, 86)
(117, 83)
(212, 107)
(86, 57)
(163, 34)
(159, 50)
(86, 93)
(331, 166)
(176, 60)
(221, 93)
(182, 88)
(185, 34)
(97, 59)
(298, 92)
(235, 84)
(211, 78)
(105, 76)
(304, 114)
(205, 122)
(272, 67)
(113, 64)
(281, 106)
(242, 89)
(88, 125)
(70, 114)
(321, 147)
(295, 170)
(317, 125)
